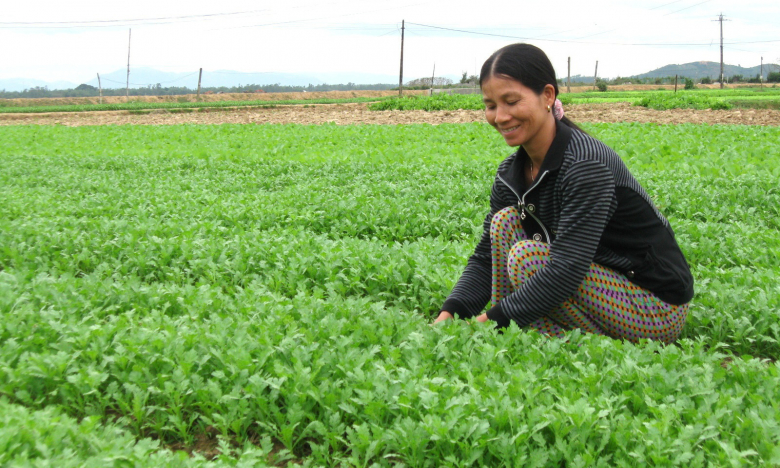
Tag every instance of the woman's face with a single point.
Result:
(515, 110)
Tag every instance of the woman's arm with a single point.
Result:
(473, 290)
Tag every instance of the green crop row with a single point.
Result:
(682, 100)
(269, 287)
(140, 106)
(664, 99)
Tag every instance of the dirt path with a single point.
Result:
(345, 114)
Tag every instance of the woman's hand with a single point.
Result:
(444, 315)
(482, 318)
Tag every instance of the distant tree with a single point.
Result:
(158, 90)
(774, 77)
(85, 87)
(426, 82)
(464, 78)
(706, 80)
(689, 83)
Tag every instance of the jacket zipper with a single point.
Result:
(522, 202)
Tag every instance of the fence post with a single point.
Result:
(568, 78)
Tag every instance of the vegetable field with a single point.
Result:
(198, 106)
(260, 295)
(664, 99)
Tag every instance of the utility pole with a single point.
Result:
(595, 75)
(433, 74)
(568, 78)
(127, 88)
(200, 75)
(720, 18)
(761, 76)
(401, 73)
(100, 90)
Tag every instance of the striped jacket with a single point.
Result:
(589, 208)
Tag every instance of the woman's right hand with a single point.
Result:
(444, 315)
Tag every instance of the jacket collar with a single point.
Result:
(513, 175)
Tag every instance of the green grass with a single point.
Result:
(271, 286)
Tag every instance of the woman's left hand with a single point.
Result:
(482, 318)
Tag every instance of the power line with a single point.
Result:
(665, 4)
(160, 20)
(568, 41)
(688, 7)
(130, 19)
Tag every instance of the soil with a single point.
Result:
(345, 114)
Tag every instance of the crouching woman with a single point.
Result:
(572, 239)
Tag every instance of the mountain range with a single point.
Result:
(144, 77)
(699, 70)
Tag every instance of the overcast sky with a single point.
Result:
(55, 40)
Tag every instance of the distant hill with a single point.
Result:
(698, 70)
(146, 77)
(142, 77)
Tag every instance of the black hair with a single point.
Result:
(526, 64)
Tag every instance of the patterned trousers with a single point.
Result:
(606, 302)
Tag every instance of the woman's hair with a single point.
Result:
(526, 64)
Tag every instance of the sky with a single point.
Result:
(72, 41)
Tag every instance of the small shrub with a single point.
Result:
(689, 84)
(706, 80)
(601, 85)
(565, 99)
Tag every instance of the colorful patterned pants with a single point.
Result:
(606, 302)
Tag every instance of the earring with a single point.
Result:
(548, 108)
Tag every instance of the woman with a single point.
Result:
(572, 240)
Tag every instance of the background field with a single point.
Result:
(762, 98)
(746, 97)
(264, 292)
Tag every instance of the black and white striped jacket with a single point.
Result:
(589, 208)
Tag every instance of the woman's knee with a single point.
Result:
(504, 220)
(527, 256)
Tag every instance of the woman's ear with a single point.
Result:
(549, 94)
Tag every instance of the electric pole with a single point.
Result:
(200, 75)
(720, 18)
(433, 74)
(401, 73)
(127, 88)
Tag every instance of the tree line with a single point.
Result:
(85, 90)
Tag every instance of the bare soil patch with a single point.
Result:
(347, 114)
